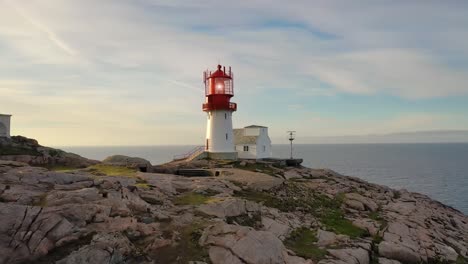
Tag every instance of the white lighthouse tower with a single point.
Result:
(219, 88)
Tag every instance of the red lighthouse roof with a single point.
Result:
(220, 73)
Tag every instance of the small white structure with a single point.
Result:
(5, 121)
(252, 142)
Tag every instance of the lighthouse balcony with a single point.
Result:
(220, 106)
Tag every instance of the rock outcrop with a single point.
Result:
(128, 162)
(275, 215)
(26, 150)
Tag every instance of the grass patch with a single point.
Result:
(302, 242)
(461, 260)
(10, 150)
(42, 200)
(110, 170)
(144, 185)
(377, 239)
(192, 198)
(256, 167)
(334, 220)
(253, 220)
(378, 218)
(312, 203)
(375, 216)
(60, 168)
(187, 248)
(295, 198)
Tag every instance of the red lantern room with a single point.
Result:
(219, 88)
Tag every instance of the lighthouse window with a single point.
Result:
(246, 148)
(264, 148)
(226, 136)
(225, 115)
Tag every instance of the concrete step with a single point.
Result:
(193, 172)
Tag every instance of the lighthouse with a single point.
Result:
(219, 89)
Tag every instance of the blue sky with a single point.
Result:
(114, 72)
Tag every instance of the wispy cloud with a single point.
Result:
(41, 27)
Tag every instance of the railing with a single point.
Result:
(189, 154)
(224, 106)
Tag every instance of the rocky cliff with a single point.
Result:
(249, 213)
(29, 151)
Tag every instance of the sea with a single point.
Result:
(437, 170)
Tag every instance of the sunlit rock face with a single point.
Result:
(26, 150)
(249, 213)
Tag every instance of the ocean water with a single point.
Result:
(437, 170)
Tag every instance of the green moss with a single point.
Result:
(110, 170)
(191, 198)
(302, 242)
(334, 220)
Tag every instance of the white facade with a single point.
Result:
(5, 121)
(253, 142)
(219, 134)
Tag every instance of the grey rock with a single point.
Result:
(398, 252)
(104, 248)
(388, 261)
(245, 243)
(129, 162)
(326, 238)
(229, 207)
(351, 255)
(367, 202)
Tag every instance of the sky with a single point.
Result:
(129, 72)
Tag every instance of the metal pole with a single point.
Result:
(291, 138)
(291, 149)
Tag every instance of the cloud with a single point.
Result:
(404, 73)
(88, 62)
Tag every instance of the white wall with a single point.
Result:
(253, 131)
(251, 154)
(5, 125)
(219, 124)
(256, 151)
(263, 144)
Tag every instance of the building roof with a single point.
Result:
(255, 126)
(4, 115)
(239, 137)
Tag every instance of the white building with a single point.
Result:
(5, 121)
(252, 142)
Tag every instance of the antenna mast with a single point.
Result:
(291, 138)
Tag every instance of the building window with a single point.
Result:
(246, 148)
(264, 148)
